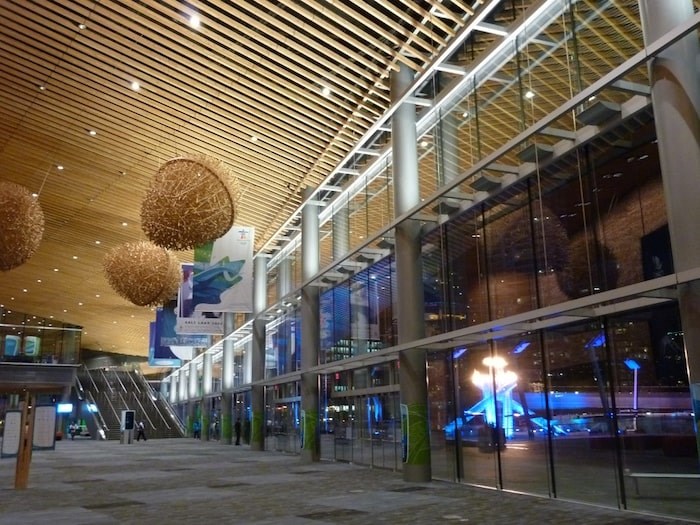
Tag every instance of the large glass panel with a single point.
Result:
(477, 429)
(283, 342)
(380, 201)
(336, 340)
(454, 277)
(600, 22)
(466, 270)
(358, 219)
(28, 338)
(654, 412)
(520, 402)
(511, 261)
(443, 447)
(580, 427)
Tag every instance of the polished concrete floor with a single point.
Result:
(189, 481)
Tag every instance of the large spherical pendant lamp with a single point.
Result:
(143, 273)
(21, 225)
(191, 201)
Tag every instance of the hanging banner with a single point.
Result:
(223, 273)
(161, 361)
(190, 321)
(170, 345)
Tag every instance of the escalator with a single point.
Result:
(104, 393)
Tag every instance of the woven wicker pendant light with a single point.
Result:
(143, 273)
(190, 202)
(21, 225)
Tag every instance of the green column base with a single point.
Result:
(226, 429)
(257, 432)
(416, 468)
(310, 451)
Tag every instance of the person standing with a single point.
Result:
(140, 431)
(237, 430)
(197, 430)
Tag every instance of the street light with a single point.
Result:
(634, 366)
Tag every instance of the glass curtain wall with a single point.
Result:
(573, 412)
(282, 420)
(357, 314)
(31, 339)
(283, 344)
(362, 423)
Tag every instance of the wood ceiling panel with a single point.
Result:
(246, 88)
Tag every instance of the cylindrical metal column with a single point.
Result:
(207, 369)
(341, 232)
(192, 380)
(182, 385)
(284, 287)
(412, 369)
(310, 333)
(207, 388)
(227, 381)
(675, 93)
(172, 394)
(284, 277)
(257, 428)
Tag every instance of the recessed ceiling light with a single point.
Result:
(35, 195)
(42, 87)
(254, 138)
(529, 94)
(97, 295)
(92, 132)
(59, 167)
(82, 26)
(65, 311)
(80, 304)
(135, 86)
(75, 257)
(98, 242)
(50, 317)
(25, 290)
(38, 280)
(326, 91)
(195, 21)
(125, 224)
(55, 269)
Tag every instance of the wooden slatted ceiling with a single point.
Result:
(245, 88)
(255, 69)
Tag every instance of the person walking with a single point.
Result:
(140, 431)
(237, 430)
